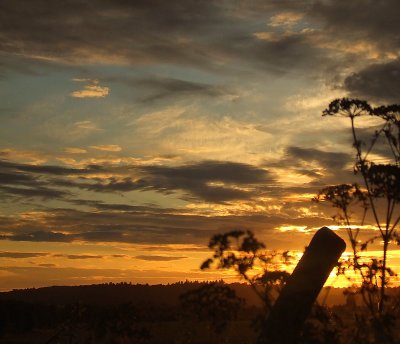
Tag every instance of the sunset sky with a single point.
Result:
(132, 131)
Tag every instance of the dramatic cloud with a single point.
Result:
(158, 124)
(361, 21)
(305, 36)
(328, 167)
(377, 82)
(211, 181)
(211, 171)
(207, 35)
(28, 180)
(63, 33)
(151, 227)
(332, 161)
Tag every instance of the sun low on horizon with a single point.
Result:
(132, 132)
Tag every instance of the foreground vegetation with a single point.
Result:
(178, 313)
(367, 208)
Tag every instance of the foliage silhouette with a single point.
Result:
(27, 318)
(379, 194)
(243, 253)
(215, 303)
(377, 191)
(247, 256)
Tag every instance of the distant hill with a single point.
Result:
(140, 294)
(111, 293)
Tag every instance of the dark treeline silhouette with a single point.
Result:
(195, 312)
(115, 293)
(123, 313)
(159, 294)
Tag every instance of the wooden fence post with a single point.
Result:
(294, 303)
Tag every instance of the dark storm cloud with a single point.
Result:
(158, 258)
(377, 82)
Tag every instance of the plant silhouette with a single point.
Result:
(213, 302)
(378, 194)
(245, 254)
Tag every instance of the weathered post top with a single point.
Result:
(294, 303)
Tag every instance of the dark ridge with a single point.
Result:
(139, 294)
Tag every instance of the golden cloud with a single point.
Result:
(75, 150)
(107, 148)
(285, 19)
(92, 90)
